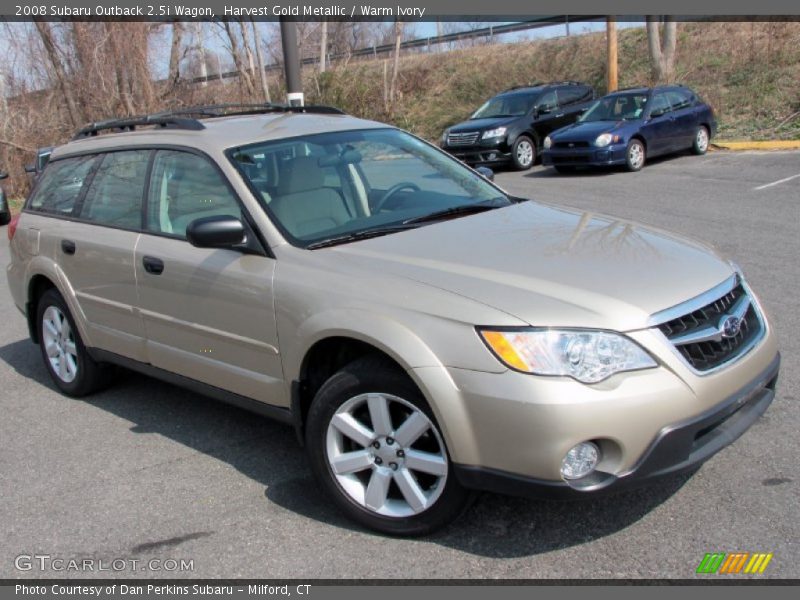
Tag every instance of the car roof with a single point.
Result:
(220, 133)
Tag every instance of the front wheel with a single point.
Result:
(523, 153)
(635, 156)
(700, 143)
(375, 446)
(69, 364)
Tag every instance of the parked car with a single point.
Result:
(425, 333)
(511, 127)
(5, 209)
(631, 125)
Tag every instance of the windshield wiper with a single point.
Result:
(464, 209)
(358, 235)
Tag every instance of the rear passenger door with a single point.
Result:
(94, 248)
(208, 313)
(685, 116)
(658, 129)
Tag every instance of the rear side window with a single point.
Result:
(574, 94)
(660, 105)
(680, 99)
(185, 187)
(115, 195)
(61, 184)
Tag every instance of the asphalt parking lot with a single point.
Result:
(148, 471)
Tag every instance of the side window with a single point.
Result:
(680, 99)
(660, 105)
(571, 95)
(185, 187)
(115, 194)
(547, 102)
(61, 184)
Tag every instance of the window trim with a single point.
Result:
(261, 247)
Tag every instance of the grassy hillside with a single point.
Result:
(749, 72)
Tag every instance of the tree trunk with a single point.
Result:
(46, 35)
(262, 74)
(662, 51)
(323, 47)
(248, 51)
(238, 60)
(201, 51)
(398, 36)
(175, 54)
(122, 91)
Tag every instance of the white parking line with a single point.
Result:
(784, 180)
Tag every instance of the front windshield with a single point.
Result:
(331, 185)
(619, 107)
(508, 105)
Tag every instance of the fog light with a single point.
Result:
(492, 156)
(580, 460)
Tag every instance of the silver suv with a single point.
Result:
(425, 333)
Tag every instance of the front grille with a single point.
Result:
(700, 338)
(462, 139)
(571, 145)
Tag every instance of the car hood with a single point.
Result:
(548, 266)
(481, 124)
(585, 132)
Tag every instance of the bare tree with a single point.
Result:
(236, 53)
(398, 38)
(262, 75)
(323, 46)
(175, 55)
(662, 48)
(46, 34)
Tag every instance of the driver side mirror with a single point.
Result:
(485, 172)
(222, 231)
(542, 110)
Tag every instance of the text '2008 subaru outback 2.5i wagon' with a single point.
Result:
(425, 333)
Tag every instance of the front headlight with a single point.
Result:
(493, 133)
(547, 143)
(585, 355)
(604, 139)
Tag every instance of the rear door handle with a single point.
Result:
(153, 265)
(68, 246)
(559, 116)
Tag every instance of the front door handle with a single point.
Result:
(68, 246)
(559, 116)
(153, 265)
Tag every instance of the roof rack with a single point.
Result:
(131, 123)
(188, 118)
(541, 83)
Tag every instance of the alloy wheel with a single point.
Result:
(702, 140)
(386, 455)
(636, 155)
(59, 343)
(525, 153)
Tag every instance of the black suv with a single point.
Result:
(511, 127)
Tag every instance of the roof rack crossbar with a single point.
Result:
(541, 83)
(131, 123)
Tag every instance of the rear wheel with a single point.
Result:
(523, 153)
(700, 143)
(635, 155)
(69, 364)
(375, 446)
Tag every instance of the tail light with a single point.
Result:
(12, 227)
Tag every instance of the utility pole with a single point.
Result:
(611, 35)
(291, 63)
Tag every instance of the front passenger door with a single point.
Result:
(208, 313)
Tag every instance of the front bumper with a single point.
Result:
(676, 449)
(484, 152)
(587, 156)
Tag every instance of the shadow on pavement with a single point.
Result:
(267, 452)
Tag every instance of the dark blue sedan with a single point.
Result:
(631, 125)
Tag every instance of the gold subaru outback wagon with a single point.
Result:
(425, 333)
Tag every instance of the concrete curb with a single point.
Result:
(767, 145)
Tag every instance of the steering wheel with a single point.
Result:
(403, 185)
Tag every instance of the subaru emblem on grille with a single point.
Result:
(730, 327)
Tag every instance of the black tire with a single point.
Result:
(701, 140)
(564, 170)
(89, 375)
(523, 153)
(635, 155)
(375, 375)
